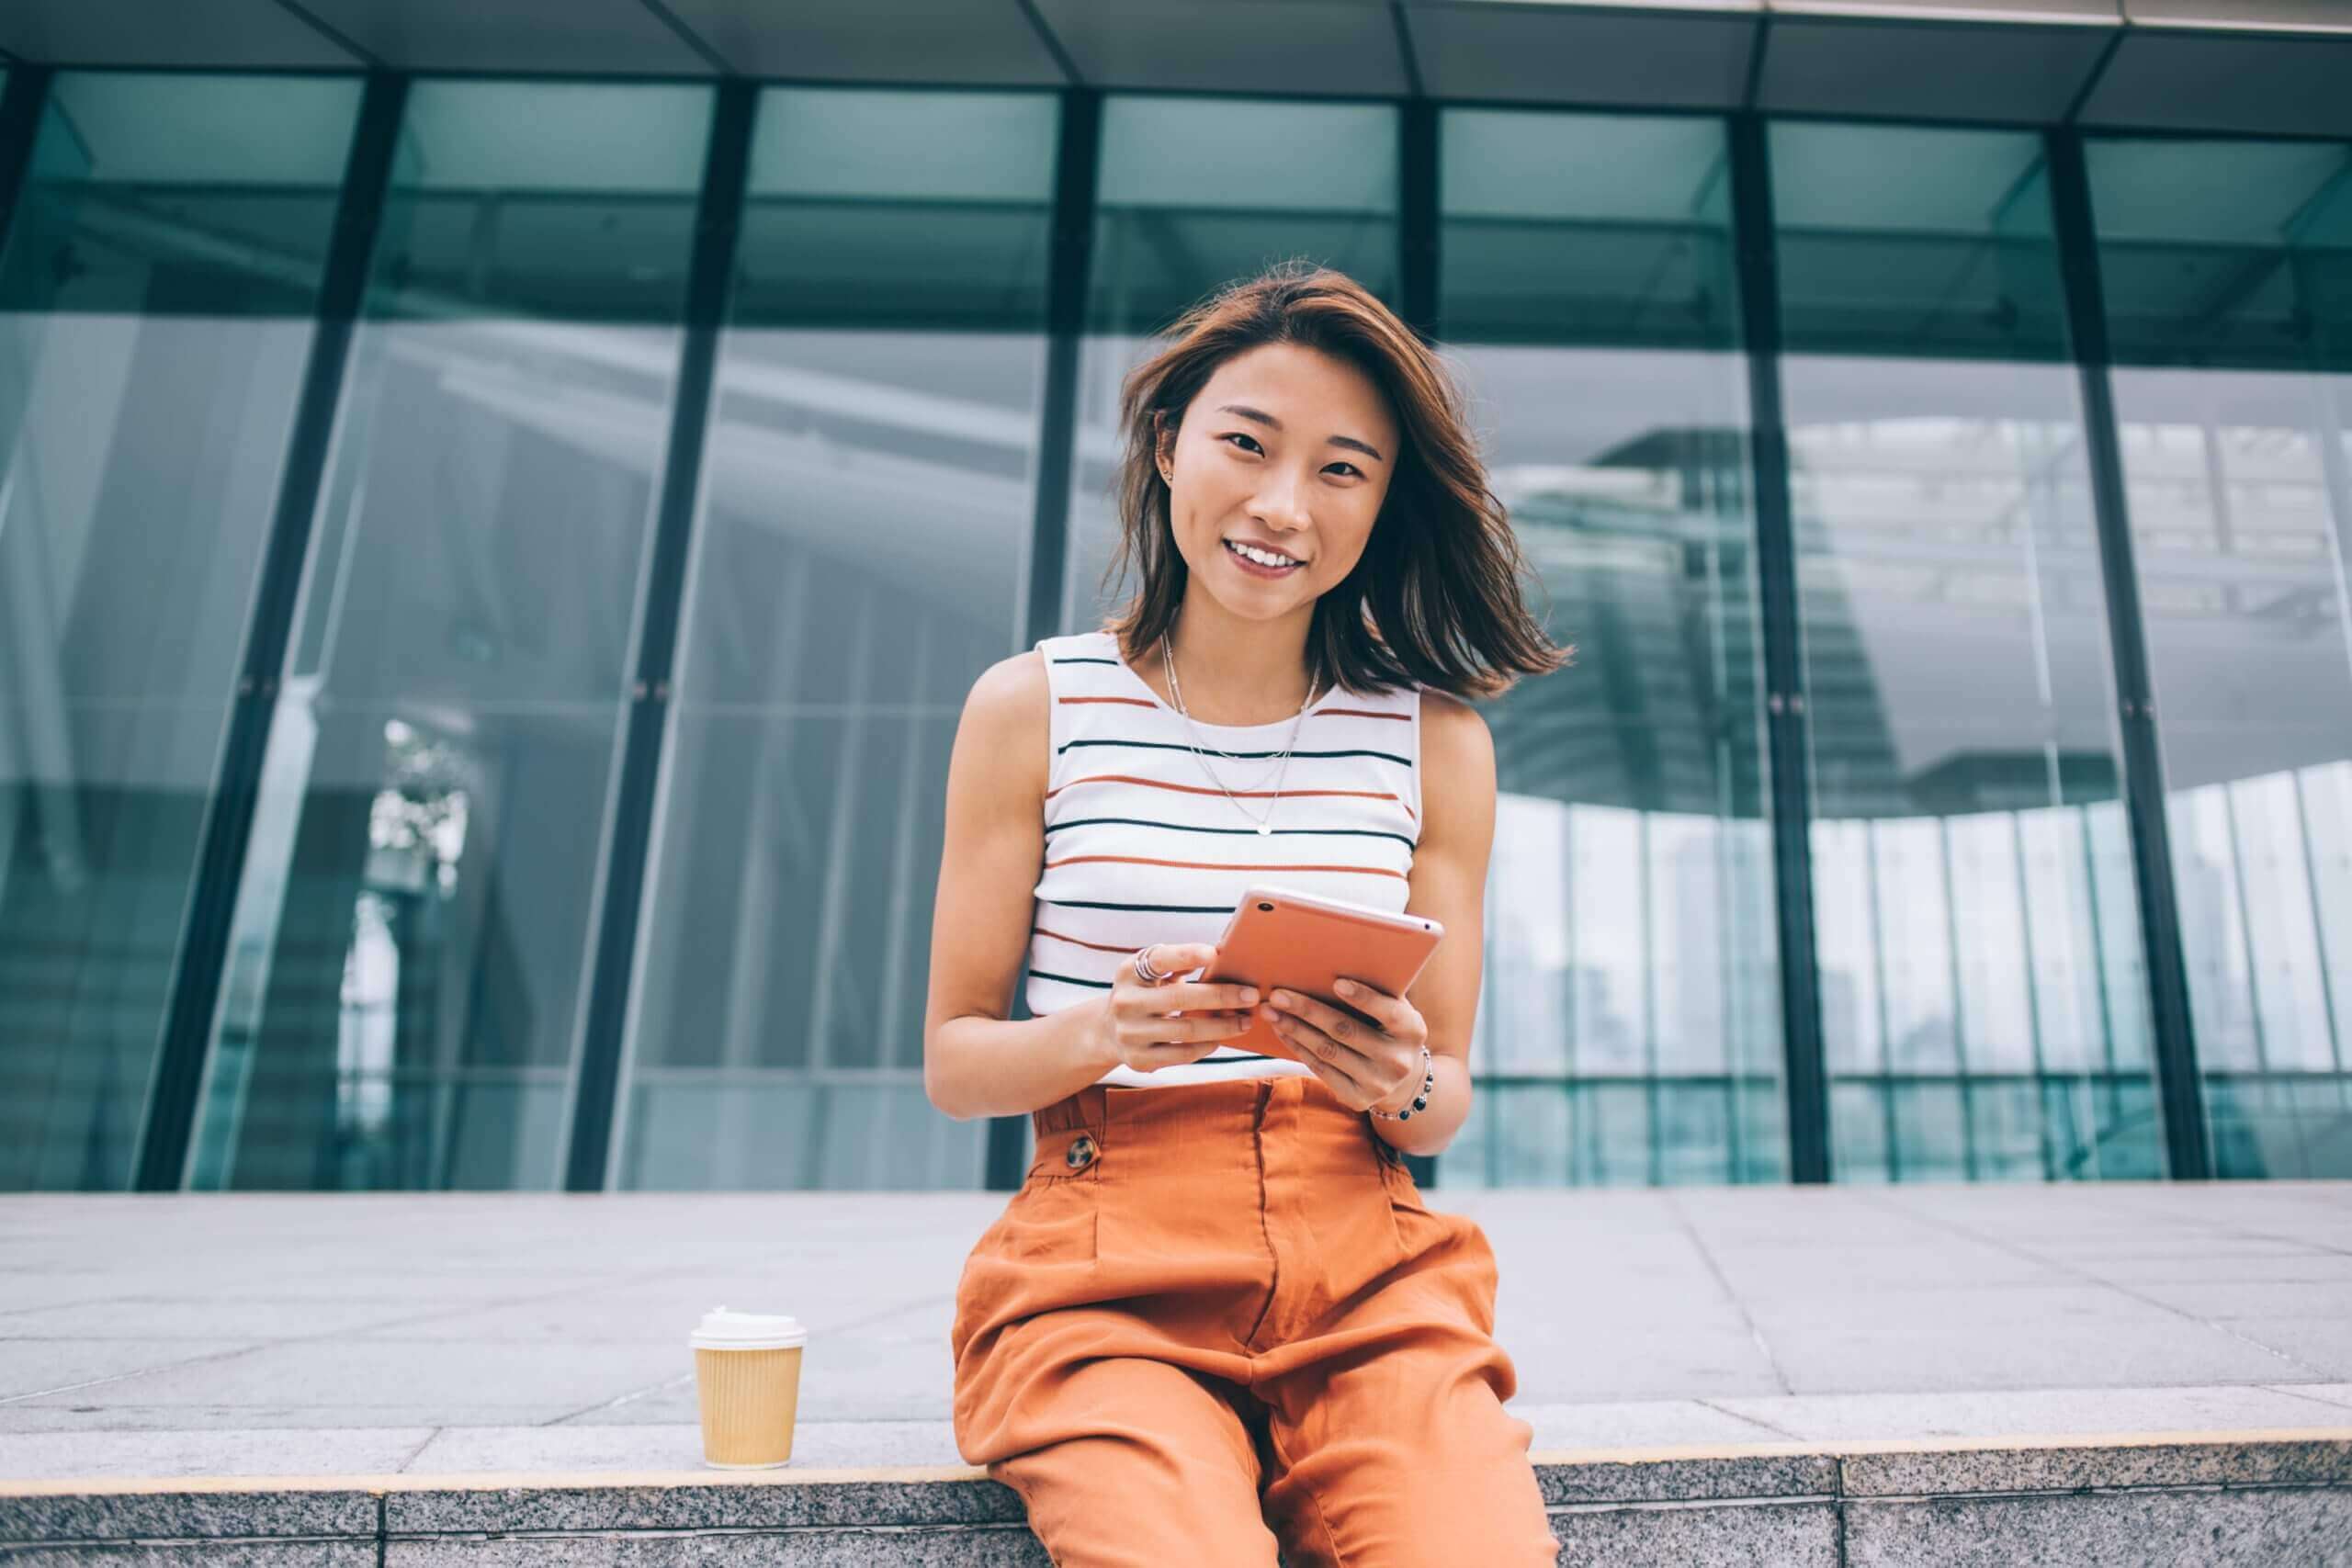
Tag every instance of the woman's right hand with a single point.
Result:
(1135, 1016)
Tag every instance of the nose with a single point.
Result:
(1277, 503)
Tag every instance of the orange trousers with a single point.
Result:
(1217, 1326)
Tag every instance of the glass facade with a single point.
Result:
(859, 557)
(379, 946)
(1629, 1027)
(2230, 301)
(1981, 973)
(157, 286)
(401, 1006)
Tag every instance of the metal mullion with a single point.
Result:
(1418, 213)
(1068, 277)
(2187, 1146)
(1786, 726)
(1418, 209)
(168, 1120)
(718, 223)
(20, 107)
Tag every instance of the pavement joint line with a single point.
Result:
(610, 1480)
(631, 1397)
(430, 1438)
(136, 1373)
(1722, 1409)
(2064, 1266)
(2301, 1390)
(842, 1326)
(1723, 1282)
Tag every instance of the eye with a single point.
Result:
(1245, 435)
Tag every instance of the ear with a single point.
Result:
(1162, 446)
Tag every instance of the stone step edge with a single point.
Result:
(1876, 1467)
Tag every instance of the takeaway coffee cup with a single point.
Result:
(747, 1374)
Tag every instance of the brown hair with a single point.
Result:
(1435, 596)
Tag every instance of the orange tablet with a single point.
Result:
(1302, 942)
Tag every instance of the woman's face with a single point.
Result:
(1284, 448)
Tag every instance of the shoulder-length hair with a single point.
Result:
(1435, 597)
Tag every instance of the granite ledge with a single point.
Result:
(256, 1514)
(2245, 1459)
(704, 1505)
(1672, 1477)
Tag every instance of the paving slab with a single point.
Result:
(324, 1372)
(2323, 1343)
(267, 1450)
(33, 1418)
(38, 1368)
(2327, 1392)
(1847, 1359)
(555, 1324)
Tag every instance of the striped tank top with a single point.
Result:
(1141, 845)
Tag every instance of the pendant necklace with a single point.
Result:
(1282, 767)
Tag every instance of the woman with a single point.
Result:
(1217, 1320)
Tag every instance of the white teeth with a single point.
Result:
(1261, 557)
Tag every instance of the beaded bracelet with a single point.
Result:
(1421, 1100)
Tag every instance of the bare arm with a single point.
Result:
(1448, 884)
(976, 1061)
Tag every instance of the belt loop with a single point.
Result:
(1060, 1115)
(1094, 1109)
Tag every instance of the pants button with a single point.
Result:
(1081, 1152)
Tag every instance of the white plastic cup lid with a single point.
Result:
(723, 1330)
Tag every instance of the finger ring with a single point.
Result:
(1144, 971)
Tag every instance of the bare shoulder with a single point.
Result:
(1007, 724)
(1456, 744)
(1457, 772)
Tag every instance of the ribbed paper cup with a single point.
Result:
(747, 1376)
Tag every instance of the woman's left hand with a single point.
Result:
(1365, 1066)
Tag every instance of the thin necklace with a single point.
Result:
(1176, 690)
(1265, 825)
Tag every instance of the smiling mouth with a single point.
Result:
(1294, 563)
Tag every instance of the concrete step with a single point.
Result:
(2267, 1497)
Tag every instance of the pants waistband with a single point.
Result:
(1098, 1106)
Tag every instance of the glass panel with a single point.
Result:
(1628, 1027)
(859, 561)
(2234, 254)
(1913, 240)
(408, 962)
(1984, 996)
(155, 296)
(1186, 200)
(2229, 261)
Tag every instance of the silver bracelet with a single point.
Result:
(1421, 1100)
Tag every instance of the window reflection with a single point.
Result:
(1629, 1024)
(156, 291)
(412, 931)
(2218, 260)
(1982, 993)
(1977, 935)
(2242, 571)
(860, 559)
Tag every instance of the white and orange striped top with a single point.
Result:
(1141, 845)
